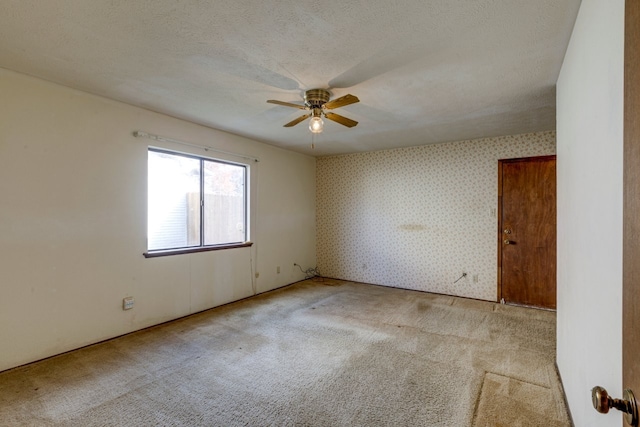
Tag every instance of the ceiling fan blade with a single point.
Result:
(298, 120)
(341, 102)
(341, 119)
(288, 104)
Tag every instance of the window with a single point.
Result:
(194, 203)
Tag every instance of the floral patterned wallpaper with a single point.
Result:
(419, 217)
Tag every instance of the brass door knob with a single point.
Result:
(508, 242)
(602, 402)
(507, 231)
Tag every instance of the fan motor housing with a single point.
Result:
(316, 98)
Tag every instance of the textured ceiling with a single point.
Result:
(426, 71)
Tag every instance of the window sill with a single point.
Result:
(169, 252)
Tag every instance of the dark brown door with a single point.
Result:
(527, 231)
(631, 218)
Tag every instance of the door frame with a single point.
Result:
(631, 201)
(499, 210)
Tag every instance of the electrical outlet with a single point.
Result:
(278, 269)
(475, 278)
(127, 303)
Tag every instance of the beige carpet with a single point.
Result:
(313, 354)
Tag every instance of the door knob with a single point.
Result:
(507, 231)
(508, 242)
(602, 402)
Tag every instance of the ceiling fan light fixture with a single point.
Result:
(318, 101)
(316, 124)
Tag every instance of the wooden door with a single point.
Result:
(527, 231)
(631, 209)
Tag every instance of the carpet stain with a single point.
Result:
(511, 402)
(423, 307)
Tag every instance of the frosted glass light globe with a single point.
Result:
(316, 125)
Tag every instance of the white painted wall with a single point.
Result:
(417, 218)
(590, 160)
(73, 222)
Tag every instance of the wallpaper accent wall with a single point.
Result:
(419, 217)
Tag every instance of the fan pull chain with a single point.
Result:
(313, 138)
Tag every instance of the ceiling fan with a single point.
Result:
(317, 101)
